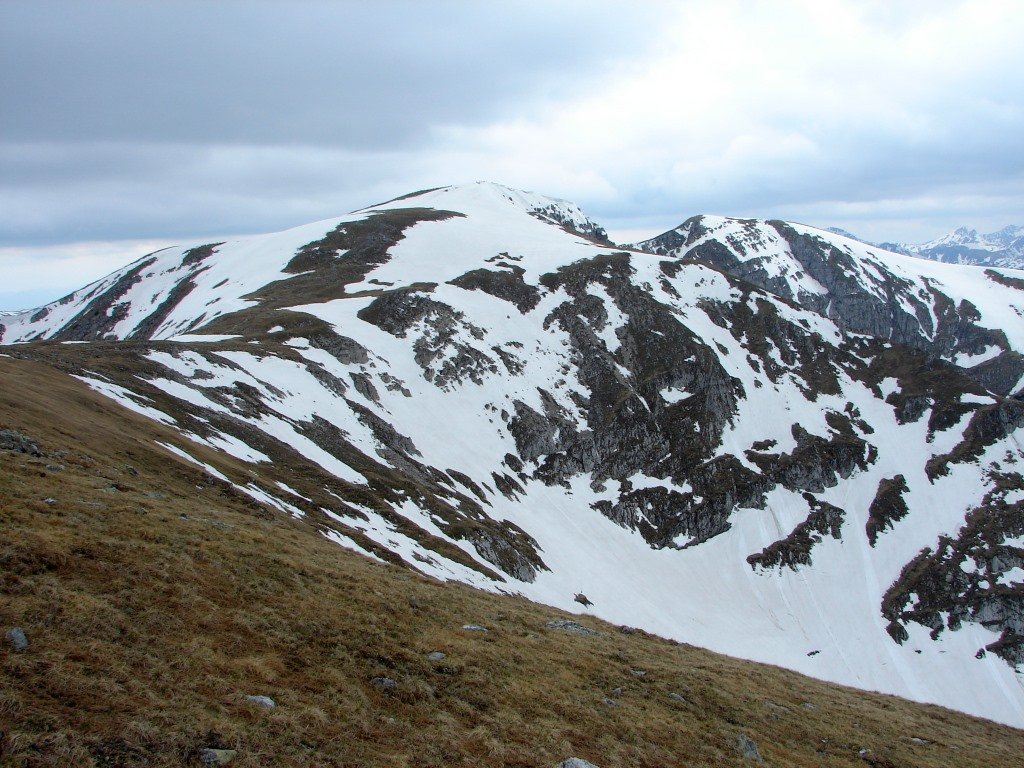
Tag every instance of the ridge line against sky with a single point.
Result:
(132, 125)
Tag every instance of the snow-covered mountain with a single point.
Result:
(971, 317)
(757, 438)
(1004, 248)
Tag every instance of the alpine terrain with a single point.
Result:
(757, 437)
(1003, 248)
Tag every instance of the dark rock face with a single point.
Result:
(856, 299)
(795, 549)
(630, 429)
(851, 305)
(965, 577)
(588, 229)
(504, 284)
(816, 463)
(151, 324)
(987, 425)
(443, 347)
(630, 426)
(887, 508)
(503, 547)
(11, 440)
(103, 312)
(1001, 373)
(355, 247)
(345, 350)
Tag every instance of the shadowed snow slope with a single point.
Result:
(761, 438)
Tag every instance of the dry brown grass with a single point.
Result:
(149, 620)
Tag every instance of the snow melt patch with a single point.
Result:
(188, 338)
(966, 360)
(127, 398)
(288, 489)
(188, 457)
(231, 445)
(427, 561)
(672, 395)
(253, 490)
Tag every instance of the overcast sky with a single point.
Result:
(130, 125)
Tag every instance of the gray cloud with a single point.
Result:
(86, 191)
(184, 120)
(335, 74)
(141, 119)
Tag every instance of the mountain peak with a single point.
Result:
(480, 197)
(1010, 231)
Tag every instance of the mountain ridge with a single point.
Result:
(469, 382)
(868, 290)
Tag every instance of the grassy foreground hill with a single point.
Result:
(156, 598)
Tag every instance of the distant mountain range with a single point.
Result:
(1004, 248)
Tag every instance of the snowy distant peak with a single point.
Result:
(959, 236)
(1004, 248)
(841, 233)
(1010, 232)
(1007, 238)
(483, 196)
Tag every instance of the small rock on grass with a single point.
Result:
(576, 762)
(262, 701)
(208, 756)
(474, 628)
(10, 440)
(16, 638)
(748, 748)
(436, 656)
(567, 625)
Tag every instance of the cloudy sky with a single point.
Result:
(125, 126)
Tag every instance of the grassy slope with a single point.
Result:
(155, 599)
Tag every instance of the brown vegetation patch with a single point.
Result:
(154, 603)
